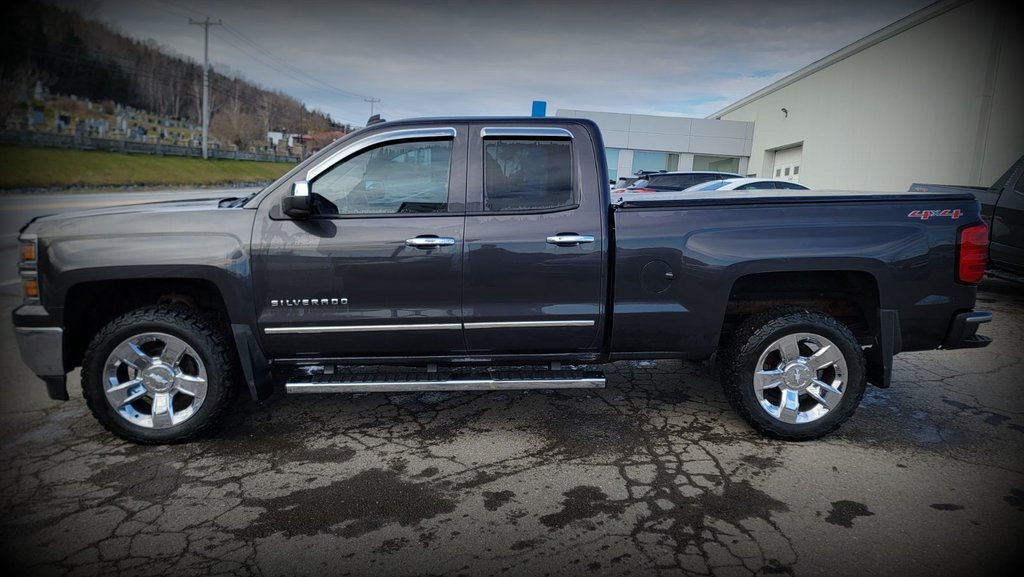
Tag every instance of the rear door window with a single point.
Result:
(527, 175)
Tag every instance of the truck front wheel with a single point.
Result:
(158, 374)
(794, 375)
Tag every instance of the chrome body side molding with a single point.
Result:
(426, 327)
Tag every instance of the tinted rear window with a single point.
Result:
(527, 175)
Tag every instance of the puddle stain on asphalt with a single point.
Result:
(1015, 499)
(844, 512)
(367, 501)
(149, 477)
(494, 501)
(580, 503)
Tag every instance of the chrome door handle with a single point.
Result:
(570, 239)
(430, 241)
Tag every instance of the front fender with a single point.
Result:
(220, 259)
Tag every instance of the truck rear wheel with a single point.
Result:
(158, 374)
(794, 375)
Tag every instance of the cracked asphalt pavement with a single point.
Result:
(653, 475)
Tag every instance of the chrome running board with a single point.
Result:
(422, 382)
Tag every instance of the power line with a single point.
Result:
(291, 65)
(270, 60)
(174, 9)
(179, 5)
(151, 72)
(279, 69)
(278, 65)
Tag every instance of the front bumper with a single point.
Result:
(962, 333)
(42, 349)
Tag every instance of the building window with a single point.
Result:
(651, 160)
(612, 155)
(778, 172)
(787, 171)
(796, 170)
(718, 163)
(527, 175)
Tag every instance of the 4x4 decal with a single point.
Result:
(926, 214)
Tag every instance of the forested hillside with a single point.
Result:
(66, 54)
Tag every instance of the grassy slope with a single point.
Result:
(23, 167)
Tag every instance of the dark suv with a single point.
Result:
(662, 180)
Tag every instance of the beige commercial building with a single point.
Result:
(643, 142)
(936, 97)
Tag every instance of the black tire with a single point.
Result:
(753, 342)
(209, 356)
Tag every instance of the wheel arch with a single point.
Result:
(89, 305)
(851, 296)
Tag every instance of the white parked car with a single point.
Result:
(747, 184)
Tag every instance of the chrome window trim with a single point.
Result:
(523, 132)
(374, 140)
(362, 328)
(528, 324)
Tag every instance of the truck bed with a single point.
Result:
(681, 260)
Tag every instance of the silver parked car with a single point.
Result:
(748, 184)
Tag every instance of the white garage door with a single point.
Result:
(787, 163)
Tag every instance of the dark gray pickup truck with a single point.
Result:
(484, 253)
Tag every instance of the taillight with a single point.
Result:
(972, 253)
(642, 190)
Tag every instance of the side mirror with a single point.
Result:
(297, 207)
(300, 204)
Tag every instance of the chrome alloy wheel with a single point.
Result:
(800, 378)
(154, 380)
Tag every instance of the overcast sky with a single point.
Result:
(430, 58)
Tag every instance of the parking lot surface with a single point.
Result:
(653, 475)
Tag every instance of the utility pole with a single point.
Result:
(371, 100)
(206, 80)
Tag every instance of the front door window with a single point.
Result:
(407, 177)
